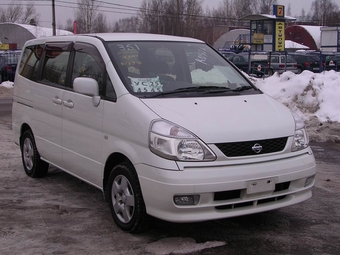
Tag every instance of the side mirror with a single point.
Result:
(87, 86)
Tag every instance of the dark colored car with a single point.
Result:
(258, 67)
(8, 65)
(331, 61)
(306, 61)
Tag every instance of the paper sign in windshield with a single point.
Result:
(146, 84)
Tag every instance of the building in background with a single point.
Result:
(12, 33)
(306, 35)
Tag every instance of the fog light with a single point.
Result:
(187, 199)
(309, 180)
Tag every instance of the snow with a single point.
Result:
(294, 45)
(7, 84)
(315, 97)
(308, 94)
(315, 32)
(39, 32)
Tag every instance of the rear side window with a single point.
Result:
(30, 62)
(55, 65)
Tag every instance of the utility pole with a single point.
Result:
(53, 18)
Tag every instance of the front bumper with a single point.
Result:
(224, 190)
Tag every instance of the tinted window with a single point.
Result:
(30, 61)
(55, 64)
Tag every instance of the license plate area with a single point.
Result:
(262, 185)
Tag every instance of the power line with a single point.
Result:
(132, 10)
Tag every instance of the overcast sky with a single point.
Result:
(65, 8)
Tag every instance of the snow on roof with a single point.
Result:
(315, 32)
(294, 45)
(39, 32)
(254, 17)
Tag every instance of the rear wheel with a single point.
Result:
(124, 195)
(33, 165)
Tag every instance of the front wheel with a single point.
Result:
(124, 195)
(33, 165)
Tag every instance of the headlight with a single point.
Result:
(301, 140)
(176, 143)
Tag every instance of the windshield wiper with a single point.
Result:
(208, 89)
(243, 88)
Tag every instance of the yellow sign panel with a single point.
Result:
(258, 38)
(280, 36)
(280, 12)
(4, 46)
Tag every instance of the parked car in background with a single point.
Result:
(331, 61)
(8, 65)
(228, 54)
(307, 61)
(281, 63)
(258, 66)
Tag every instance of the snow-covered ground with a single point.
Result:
(315, 97)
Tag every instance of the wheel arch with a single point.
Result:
(24, 128)
(113, 160)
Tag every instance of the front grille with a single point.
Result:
(238, 149)
(250, 203)
(234, 194)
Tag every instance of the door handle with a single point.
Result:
(57, 100)
(68, 104)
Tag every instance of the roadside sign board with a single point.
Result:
(279, 36)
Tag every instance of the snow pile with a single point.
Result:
(314, 97)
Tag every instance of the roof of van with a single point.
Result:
(126, 37)
(142, 37)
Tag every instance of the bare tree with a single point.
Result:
(69, 25)
(100, 24)
(224, 14)
(12, 13)
(86, 14)
(243, 7)
(289, 10)
(265, 6)
(302, 15)
(322, 12)
(193, 18)
(30, 15)
(17, 13)
(131, 24)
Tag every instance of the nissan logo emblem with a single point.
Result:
(256, 148)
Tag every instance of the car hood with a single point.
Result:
(227, 118)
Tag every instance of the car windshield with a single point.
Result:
(150, 69)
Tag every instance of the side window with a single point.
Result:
(30, 61)
(55, 64)
(89, 63)
(275, 60)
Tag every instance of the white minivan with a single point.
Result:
(164, 126)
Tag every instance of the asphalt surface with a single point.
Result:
(60, 214)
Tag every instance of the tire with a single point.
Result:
(125, 198)
(270, 72)
(33, 165)
(299, 70)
